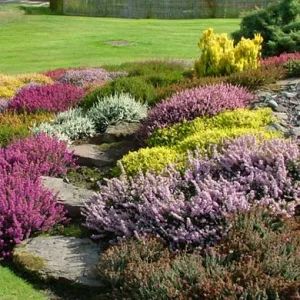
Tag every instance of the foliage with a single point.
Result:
(53, 98)
(255, 79)
(25, 207)
(9, 85)
(293, 68)
(240, 118)
(114, 109)
(154, 159)
(280, 59)
(56, 73)
(170, 145)
(14, 126)
(70, 125)
(192, 103)
(190, 209)
(84, 77)
(278, 24)
(258, 259)
(219, 55)
(143, 81)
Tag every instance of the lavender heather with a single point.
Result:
(190, 210)
(193, 103)
(83, 77)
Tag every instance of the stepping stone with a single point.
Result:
(121, 131)
(68, 259)
(72, 197)
(101, 156)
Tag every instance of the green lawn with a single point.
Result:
(40, 42)
(15, 288)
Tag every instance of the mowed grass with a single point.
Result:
(15, 288)
(39, 42)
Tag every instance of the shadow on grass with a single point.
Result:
(37, 10)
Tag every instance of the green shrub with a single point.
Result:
(10, 133)
(142, 82)
(258, 259)
(293, 68)
(278, 24)
(255, 79)
(171, 145)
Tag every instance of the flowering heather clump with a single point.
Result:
(54, 98)
(24, 209)
(280, 59)
(56, 74)
(3, 104)
(191, 209)
(36, 156)
(83, 77)
(193, 103)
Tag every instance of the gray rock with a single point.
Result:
(273, 104)
(121, 131)
(101, 156)
(70, 196)
(280, 108)
(68, 259)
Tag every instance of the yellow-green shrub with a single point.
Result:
(227, 120)
(171, 145)
(154, 159)
(219, 55)
(14, 126)
(10, 84)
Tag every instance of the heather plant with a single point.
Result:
(14, 126)
(281, 59)
(258, 259)
(56, 73)
(69, 126)
(25, 207)
(239, 118)
(255, 79)
(193, 103)
(219, 55)
(9, 85)
(293, 68)
(171, 145)
(278, 24)
(84, 77)
(3, 104)
(53, 98)
(191, 209)
(114, 109)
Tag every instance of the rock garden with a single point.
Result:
(157, 179)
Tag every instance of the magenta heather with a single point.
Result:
(193, 103)
(53, 98)
(280, 59)
(25, 207)
(191, 209)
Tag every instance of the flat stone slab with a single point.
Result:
(67, 259)
(121, 131)
(104, 155)
(72, 197)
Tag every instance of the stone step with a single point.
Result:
(60, 258)
(72, 197)
(101, 156)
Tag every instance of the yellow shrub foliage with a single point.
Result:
(219, 55)
(10, 84)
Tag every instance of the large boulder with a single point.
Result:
(67, 259)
